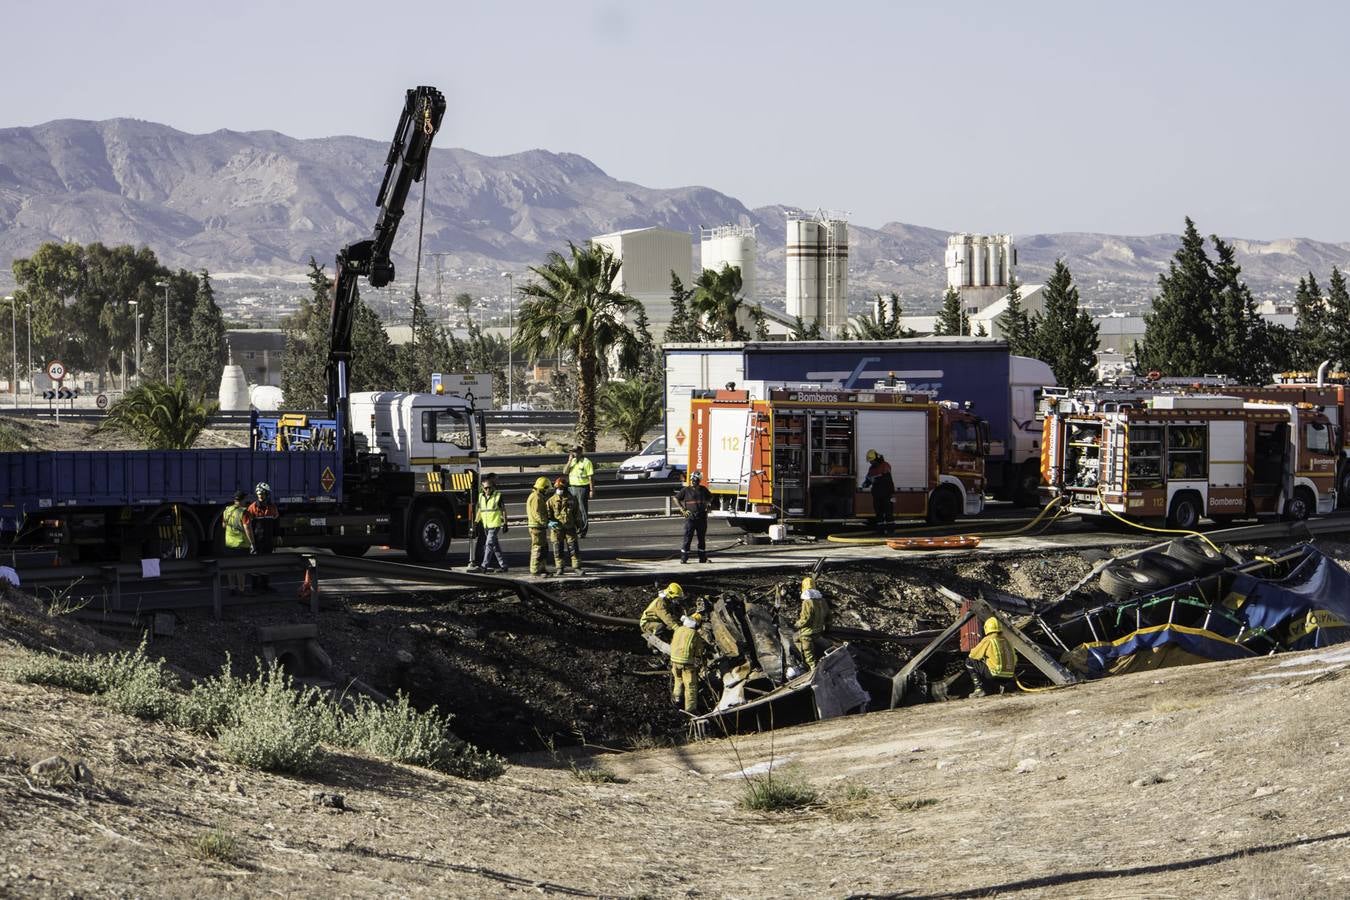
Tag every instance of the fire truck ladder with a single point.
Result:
(756, 457)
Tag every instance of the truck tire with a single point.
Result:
(165, 538)
(1186, 511)
(1142, 575)
(429, 536)
(1198, 555)
(1300, 506)
(944, 506)
(1343, 488)
(1026, 492)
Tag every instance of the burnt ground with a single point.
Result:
(523, 676)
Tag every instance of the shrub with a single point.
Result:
(74, 674)
(766, 793)
(274, 727)
(213, 703)
(216, 845)
(594, 774)
(401, 733)
(129, 682)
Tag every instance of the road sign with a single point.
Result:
(61, 394)
(102, 401)
(435, 382)
(56, 370)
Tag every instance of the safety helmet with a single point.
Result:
(541, 483)
(695, 478)
(871, 456)
(263, 488)
(697, 617)
(674, 590)
(560, 482)
(808, 582)
(991, 626)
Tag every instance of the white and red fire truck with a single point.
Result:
(1182, 457)
(799, 456)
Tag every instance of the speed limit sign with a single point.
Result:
(102, 401)
(56, 370)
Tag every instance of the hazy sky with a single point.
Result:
(1012, 116)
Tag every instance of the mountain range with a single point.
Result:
(262, 203)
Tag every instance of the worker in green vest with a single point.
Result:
(537, 518)
(993, 663)
(237, 538)
(580, 474)
(491, 517)
(686, 655)
(812, 622)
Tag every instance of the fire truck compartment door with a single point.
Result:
(1227, 454)
(902, 437)
(727, 453)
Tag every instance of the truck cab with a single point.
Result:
(419, 432)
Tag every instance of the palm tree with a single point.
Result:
(631, 409)
(160, 416)
(717, 299)
(574, 307)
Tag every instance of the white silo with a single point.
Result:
(803, 269)
(836, 275)
(817, 270)
(979, 266)
(732, 245)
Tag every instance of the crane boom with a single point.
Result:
(423, 109)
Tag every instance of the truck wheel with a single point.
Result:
(1196, 554)
(944, 506)
(1343, 497)
(165, 539)
(1027, 491)
(429, 538)
(1185, 512)
(1300, 506)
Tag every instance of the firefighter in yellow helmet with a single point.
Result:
(686, 655)
(993, 662)
(537, 518)
(662, 615)
(562, 528)
(812, 622)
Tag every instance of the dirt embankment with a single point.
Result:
(1222, 780)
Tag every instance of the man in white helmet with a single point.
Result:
(261, 520)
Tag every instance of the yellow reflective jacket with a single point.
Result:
(233, 518)
(490, 513)
(536, 510)
(686, 647)
(580, 472)
(814, 617)
(660, 610)
(997, 654)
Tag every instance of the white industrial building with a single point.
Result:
(979, 267)
(649, 255)
(817, 270)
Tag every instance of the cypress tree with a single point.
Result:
(951, 318)
(1016, 324)
(1312, 337)
(1067, 336)
(1179, 330)
(1338, 319)
(683, 328)
(203, 352)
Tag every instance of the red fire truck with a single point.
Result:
(798, 457)
(1181, 457)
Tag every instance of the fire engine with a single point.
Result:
(1181, 457)
(798, 456)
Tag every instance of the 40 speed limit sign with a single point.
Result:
(56, 370)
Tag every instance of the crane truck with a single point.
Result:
(384, 468)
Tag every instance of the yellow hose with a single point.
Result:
(843, 538)
(1113, 514)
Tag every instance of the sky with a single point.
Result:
(1023, 117)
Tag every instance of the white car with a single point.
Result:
(650, 463)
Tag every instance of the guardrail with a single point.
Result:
(499, 418)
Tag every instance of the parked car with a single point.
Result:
(650, 463)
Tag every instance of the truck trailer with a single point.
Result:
(1002, 388)
(798, 456)
(372, 469)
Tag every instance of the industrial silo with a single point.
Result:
(817, 270)
(732, 245)
(803, 269)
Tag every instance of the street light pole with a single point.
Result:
(14, 343)
(28, 307)
(165, 285)
(510, 338)
(138, 340)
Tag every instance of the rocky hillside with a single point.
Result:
(264, 203)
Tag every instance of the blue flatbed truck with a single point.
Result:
(335, 484)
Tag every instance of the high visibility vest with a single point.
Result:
(233, 517)
(490, 513)
(686, 647)
(580, 472)
(997, 654)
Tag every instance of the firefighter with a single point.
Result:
(993, 663)
(882, 486)
(695, 501)
(662, 615)
(261, 519)
(686, 655)
(562, 527)
(536, 517)
(812, 622)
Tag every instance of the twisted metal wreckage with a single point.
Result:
(1182, 602)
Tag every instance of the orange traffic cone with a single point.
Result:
(309, 587)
